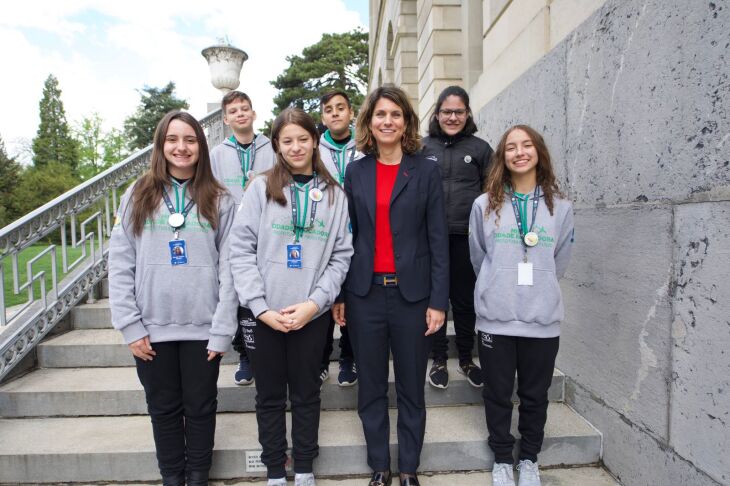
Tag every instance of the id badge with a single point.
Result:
(294, 256)
(178, 252)
(524, 273)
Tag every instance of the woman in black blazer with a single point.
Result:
(397, 288)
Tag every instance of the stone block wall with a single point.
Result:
(635, 107)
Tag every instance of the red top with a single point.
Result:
(385, 176)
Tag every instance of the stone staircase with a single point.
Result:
(81, 417)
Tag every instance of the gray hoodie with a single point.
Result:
(329, 152)
(151, 297)
(256, 256)
(502, 307)
(226, 163)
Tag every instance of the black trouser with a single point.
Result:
(461, 295)
(238, 342)
(533, 359)
(280, 361)
(380, 323)
(345, 347)
(181, 389)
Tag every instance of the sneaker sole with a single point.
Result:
(461, 372)
(243, 382)
(347, 383)
(440, 387)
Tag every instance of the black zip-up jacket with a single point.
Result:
(464, 161)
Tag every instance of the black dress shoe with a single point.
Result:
(410, 481)
(380, 479)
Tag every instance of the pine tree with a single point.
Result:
(9, 178)
(54, 142)
(153, 105)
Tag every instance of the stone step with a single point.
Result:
(70, 392)
(574, 476)
(104, 347)
(122, 449)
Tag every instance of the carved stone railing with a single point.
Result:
(83, 218)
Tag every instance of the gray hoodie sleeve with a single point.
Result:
(126, 316)
(477, 247)
(564, 245)
(247, 279)
(330, 282)
(224, 320)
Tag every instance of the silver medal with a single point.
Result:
(176, 220)
(531, 239)
(467, 159)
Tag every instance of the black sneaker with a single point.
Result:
(472, 372)
(243, 375)
(438, 377)
(348, 372)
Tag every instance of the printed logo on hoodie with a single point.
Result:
(511, 236)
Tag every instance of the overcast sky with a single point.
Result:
(102, 52)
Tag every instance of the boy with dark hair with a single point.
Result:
(337, 149)
(235, 162)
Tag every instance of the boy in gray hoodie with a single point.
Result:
(337, 149)
(235, 162)
(520, 240)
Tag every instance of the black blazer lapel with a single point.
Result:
(405, 174)
(367, 180)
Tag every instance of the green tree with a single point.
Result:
(53, 141)
(153, 105)
(39, 185)
(115, 147)
(9, 178)
(337, 61)
(90, 137)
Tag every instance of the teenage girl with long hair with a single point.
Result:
(289, 253)
(520, 240)
(163, 291)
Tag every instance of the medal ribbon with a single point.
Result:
(518, 215)
(178, 201)
(246, 156)
(340, 159)
(300, 218)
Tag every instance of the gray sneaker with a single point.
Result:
(304, 480)
(502, 475)
(529, 475)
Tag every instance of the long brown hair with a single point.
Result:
(366, 143)
(279, 176)
(499, 177)
(203, 187)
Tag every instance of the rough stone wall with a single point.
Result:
(635, 107)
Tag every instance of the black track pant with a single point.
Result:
(282, 361)
(461, 296)
(533, 359)
(345, 346)
(180, 385)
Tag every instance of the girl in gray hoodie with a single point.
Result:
(520, 239)
(163, 291)
(289, 252)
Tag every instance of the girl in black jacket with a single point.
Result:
(464, 160)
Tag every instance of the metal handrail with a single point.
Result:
(23, 327)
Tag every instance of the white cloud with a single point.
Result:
(102, 52)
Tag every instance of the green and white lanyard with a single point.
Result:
(180, 211)
(299, 218)
(528, 237)
(247, 158)
(339, 157)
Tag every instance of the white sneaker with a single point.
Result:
(529, 475)
(502, 475)
(304, 480)
(276, 482)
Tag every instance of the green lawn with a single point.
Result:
(43, 264)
